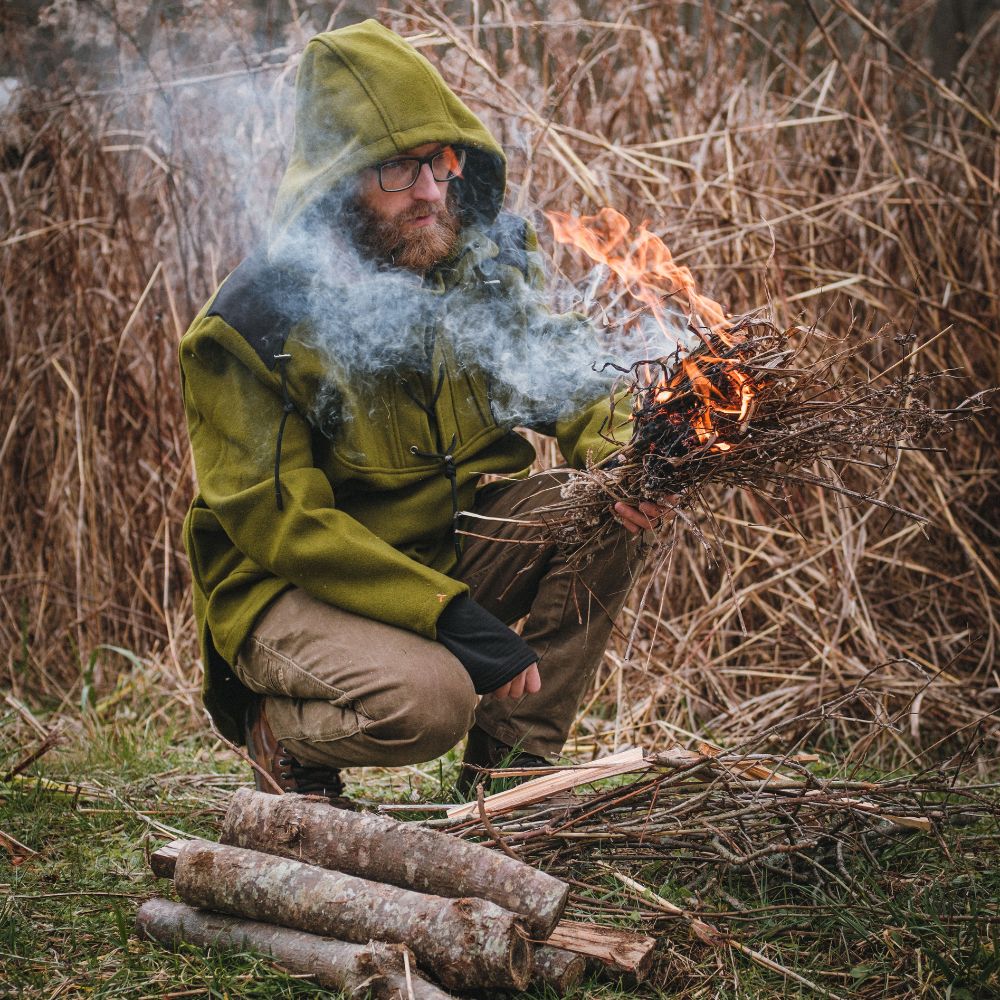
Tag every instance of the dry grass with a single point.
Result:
(809, 166)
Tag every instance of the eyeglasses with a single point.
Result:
(398, 175)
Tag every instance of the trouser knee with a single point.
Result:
(427, 721)
(415, 725)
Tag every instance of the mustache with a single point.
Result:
(422, 208)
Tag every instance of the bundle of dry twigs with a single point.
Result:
(751, 410)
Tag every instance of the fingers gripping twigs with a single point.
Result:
(646, 516)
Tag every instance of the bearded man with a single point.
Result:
(348, 390)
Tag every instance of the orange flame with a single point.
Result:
(645, 266)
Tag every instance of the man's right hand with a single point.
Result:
(526, 682)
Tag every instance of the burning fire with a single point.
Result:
(707, 383)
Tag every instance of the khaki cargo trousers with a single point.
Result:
(346, 691)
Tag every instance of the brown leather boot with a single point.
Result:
(289, 774)
(484, 753)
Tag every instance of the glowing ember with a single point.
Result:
(708, 382)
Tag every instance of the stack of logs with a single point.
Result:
(366, 904)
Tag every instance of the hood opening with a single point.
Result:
(364, 95)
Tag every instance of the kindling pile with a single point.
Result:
(360, 901)
(749, 411)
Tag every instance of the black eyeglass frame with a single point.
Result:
(456, 151)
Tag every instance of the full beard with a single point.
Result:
(417, 249)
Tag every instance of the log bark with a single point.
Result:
(375, 969)
(625, 951)
(464, 943)
(561, 970)
(401, 854)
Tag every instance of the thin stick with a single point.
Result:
(243, 755)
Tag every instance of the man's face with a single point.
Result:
(415, 228)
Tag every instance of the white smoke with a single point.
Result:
(219, 108)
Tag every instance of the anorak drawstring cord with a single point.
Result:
(281, 360)
(428, 408)
(451, 471)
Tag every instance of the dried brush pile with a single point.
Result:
(699, 834)
(816, 164)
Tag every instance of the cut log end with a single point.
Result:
(522, 961)
(163, 860)
(624, 951)
(561, 970)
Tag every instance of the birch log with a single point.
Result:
(562, 970)
(402, 854)
(465, 943)
(375, 969)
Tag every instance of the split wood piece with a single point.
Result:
(466, 943)
(385, 850)
(376, 967)
(625, 951)
(624, 762)
(557, 968)
(752, 769)
(163, 860)
(542, 788)
(679, 758)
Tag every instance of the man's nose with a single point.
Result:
(426, 188)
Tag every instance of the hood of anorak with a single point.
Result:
(364, 95)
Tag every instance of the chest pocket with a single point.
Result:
(372, 427)
(464, 410)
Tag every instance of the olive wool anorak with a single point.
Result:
(323, 471)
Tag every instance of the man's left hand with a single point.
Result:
(646, 517)
(526, 682)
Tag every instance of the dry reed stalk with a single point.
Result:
(784, 162)
(782, 189)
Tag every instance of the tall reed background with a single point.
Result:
(805, 157)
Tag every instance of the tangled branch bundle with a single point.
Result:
(751, 411)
